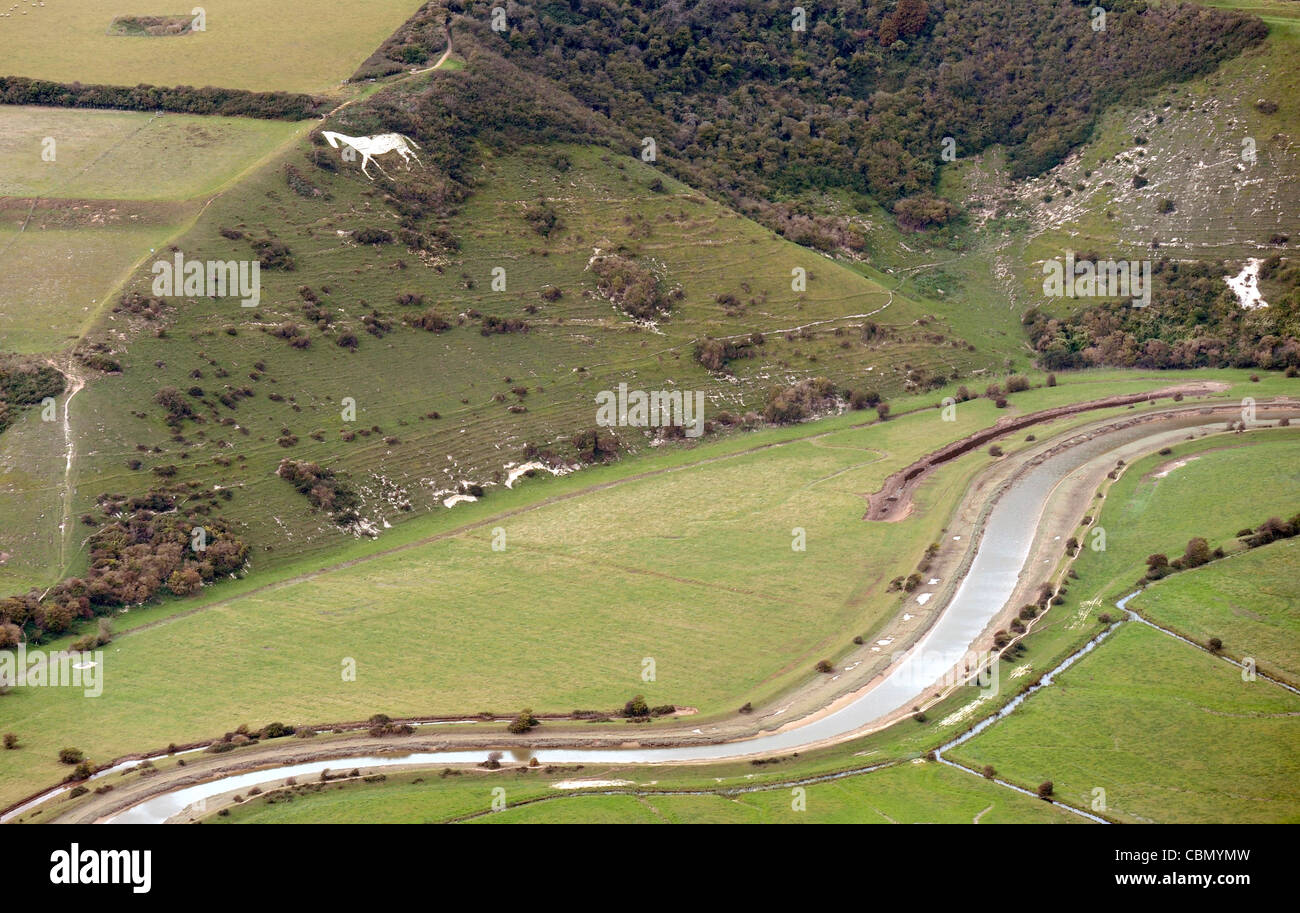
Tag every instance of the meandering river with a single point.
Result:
(999, 560)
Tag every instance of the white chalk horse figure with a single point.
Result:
(370, 146)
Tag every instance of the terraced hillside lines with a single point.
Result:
(1159, 726)
(290, 46)
(492, 394)
(1250, 601)
(1162, 501)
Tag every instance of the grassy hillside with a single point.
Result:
(492, 394)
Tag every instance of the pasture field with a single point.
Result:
(32, 464)
(1250, 601)
(289, 46)
(53, 280)
(1145, 512)
(1171, 733)
(906, 793)
(128, 155)
(120, 186)
(700, 560)
(926, 793)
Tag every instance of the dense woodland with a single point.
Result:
(861, 99)
(17, 90)
(148, 547)
(1194, 321)
(24, 382)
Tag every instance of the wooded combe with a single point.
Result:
(739, 103)
(863, 98)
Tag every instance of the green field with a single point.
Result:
(127, 155)
(1250, 601)
(1170, 733)
(906, 793)
(703, 596)
(1144, 513)
(53, 280)
(120, 185)
(290, 46)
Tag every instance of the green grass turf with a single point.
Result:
(127, 155)
(1227, 482)
(1250, 601)
(908, 793)
(1171, 733)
